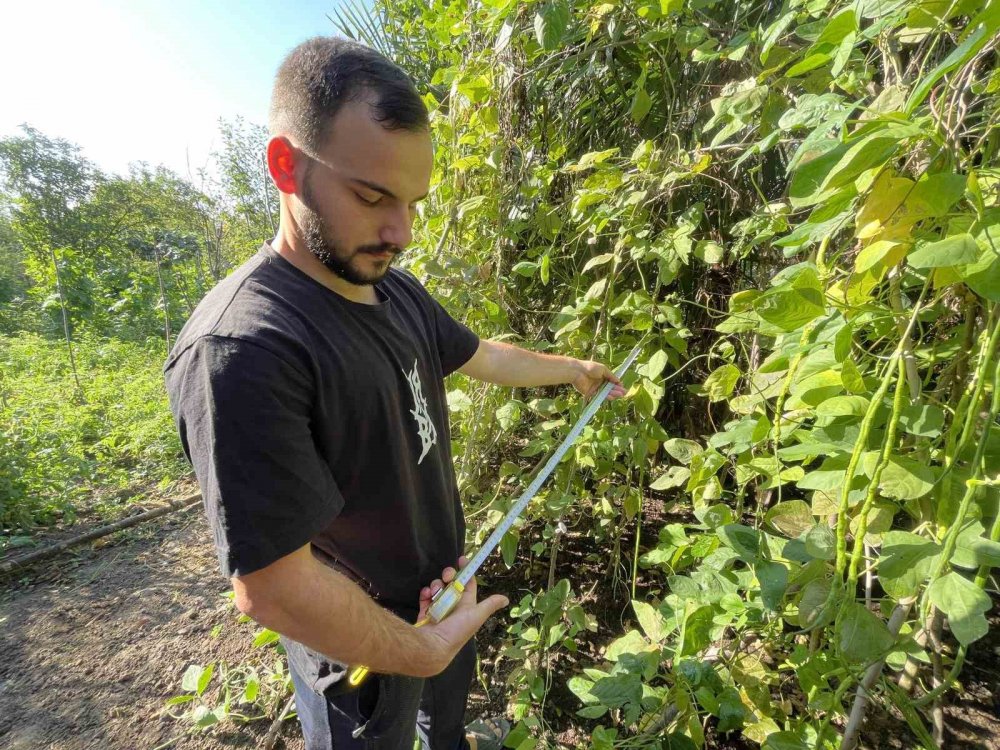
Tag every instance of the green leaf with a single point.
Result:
(682, 450)
(811, 62)
(596, 290)
(603, 739)
(205, 717)
(821, 543)
(525, 268)
(804, 189)
(905, 562)
(205, 677)
(709, 252)
(935, 194)
(980, 550)
(905, 479)
(828, 477)
(521, 732)
(696, 633)
(650, 620)
(851, 377)
(654, 366)
(964, 603)
(786, 741)
(675, 476)
(925, 420)
(957, 250)
(790, 308)
(773, 578)
(641, 104)
(720, 383)
(791, 517)
(597, 260)
(550, 24)
(581, 686)
(458, 401)
(632, 642)
(732, 713)
(251, 690)
(743, 540)
(837, 29)
(872, 256)
(192, 678)
(617, 690)
(983, 276)
(508, 547)
(870, 151)
(265, 637)
(812, 602)
(509, 414)
(861, 635)
(843, 406)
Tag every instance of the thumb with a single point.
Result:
(491, 605)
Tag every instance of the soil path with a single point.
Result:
(94, 642)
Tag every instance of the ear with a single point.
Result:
(281, 161)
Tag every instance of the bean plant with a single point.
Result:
(794, 210)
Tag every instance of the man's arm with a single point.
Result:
(506, 364)
(311, 603)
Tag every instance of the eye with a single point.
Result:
(366, 201)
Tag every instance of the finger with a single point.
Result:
(491, 605)
(436, 586)
(448, 575)
(425, 593)
(462, 562)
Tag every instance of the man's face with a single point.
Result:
(358, 194)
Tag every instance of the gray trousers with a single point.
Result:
(387, 711)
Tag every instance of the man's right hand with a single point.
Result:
(446, 638)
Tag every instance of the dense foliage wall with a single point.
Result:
(794, 210)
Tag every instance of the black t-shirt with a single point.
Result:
(310, 418)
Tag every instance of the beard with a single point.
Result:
(317, 236)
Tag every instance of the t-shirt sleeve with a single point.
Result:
(243, 418)
(456, 342)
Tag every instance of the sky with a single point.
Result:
(138, 80)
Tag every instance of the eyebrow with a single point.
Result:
(385, 191)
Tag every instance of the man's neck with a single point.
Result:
(299, 256)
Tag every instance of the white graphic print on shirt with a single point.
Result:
(425, 427)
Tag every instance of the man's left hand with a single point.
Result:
(427, 592)
(592, 376)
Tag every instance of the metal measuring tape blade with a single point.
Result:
(446, 598)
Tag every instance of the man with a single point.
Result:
(307, 388)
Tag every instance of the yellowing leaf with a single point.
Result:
(881, 254)
(886, 213)
(720, 384)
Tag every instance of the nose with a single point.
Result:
(398, 228)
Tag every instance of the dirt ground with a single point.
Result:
(94, 642)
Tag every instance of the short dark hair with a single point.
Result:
(323, 74)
